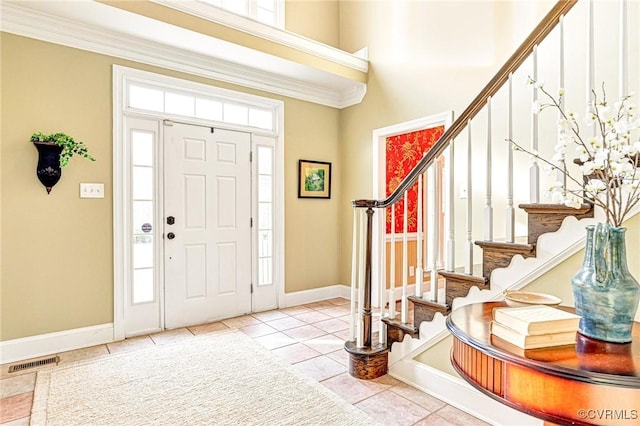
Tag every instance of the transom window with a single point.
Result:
(180, 103)
(265, 11)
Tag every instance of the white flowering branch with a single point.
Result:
(609, 160)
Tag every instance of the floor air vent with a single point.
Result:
(36, 363)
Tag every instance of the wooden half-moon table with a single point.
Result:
(588, 383)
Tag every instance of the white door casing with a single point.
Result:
(208, 193)
(148, 314)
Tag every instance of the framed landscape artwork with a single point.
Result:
(314, 179)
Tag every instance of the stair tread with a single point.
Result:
(556, 209)
(466, 277)
(420, 301)
(408, 327)
(506, 246)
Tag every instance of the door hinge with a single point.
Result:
(251, 156)
(251, 222)
(251, 288)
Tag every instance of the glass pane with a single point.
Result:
(177, 103)
(265, 275)
(264, 216)
(211, 110)
(264, 243)
(142, 183)
(141, 148)
(265, 160)
(236, 6)
(261, 118)
(143, 215)
(143, 285)
(145, 98)
(217, 3)
(143, 251)
(267, 4)
(236, 114)
(264, 188)
(266, 17)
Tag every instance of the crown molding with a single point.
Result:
(292, 79)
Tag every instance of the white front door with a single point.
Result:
(207, 224)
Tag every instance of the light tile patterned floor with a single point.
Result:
(310, 337)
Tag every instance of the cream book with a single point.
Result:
(536, 319)
(533, 341)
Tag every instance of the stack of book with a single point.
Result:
(536, 326)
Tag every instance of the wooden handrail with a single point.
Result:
(545, 26)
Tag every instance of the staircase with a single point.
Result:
(500, 224)
(542, 218)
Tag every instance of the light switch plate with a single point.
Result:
(92, 190)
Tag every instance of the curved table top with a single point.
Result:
(589, 360)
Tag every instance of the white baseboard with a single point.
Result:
(61, 341)
(53, 343)
(314, 295)
(458, 393)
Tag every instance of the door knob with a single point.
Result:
(171, 220)
(171, 235)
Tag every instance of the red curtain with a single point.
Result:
(403, 153)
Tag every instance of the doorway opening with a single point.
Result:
(383, 140)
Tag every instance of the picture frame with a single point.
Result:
(314, 179)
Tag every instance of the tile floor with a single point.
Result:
(310, 337)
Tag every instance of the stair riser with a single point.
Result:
(543, 223)
(426, 313)
(457, 288)
(499, 259)
(396, 334)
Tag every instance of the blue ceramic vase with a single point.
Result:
(605, 293)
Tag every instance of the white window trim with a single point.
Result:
(220, 14)
(121, 249)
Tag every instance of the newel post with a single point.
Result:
(369, 361)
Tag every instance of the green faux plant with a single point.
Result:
(68, 144)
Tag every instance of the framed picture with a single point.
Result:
(314, 179)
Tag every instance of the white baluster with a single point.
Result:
(432, 226)
(510, 213)
(361, 284)
(488, 209)
(623, 78)
(405, 263)
(561, 172)
(382, 285)
(354, 276)
(392, 265)
(468, 266)
(590, 60)
(419, 268)
(534, 170)
(450, 247)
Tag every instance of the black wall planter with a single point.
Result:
(48, 169)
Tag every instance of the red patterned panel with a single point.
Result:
(403, 153)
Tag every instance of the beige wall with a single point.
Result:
(425, 58)
(315, 19)
(57, 249)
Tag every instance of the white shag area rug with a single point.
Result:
(221, 379)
